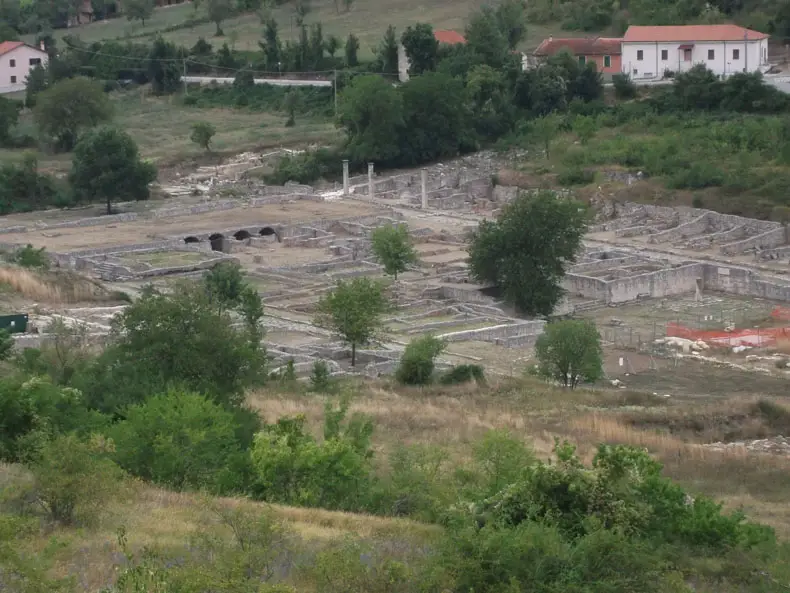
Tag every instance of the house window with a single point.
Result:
(640, 54)
(12, 63)
(582, 60)
(13, 80)
(35, 61)
(607, 61)
(665, 54)
(711, 54)
(736, 54)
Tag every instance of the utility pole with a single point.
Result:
(184, 77)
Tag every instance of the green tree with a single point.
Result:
(23, 189)
(623, 87)
(73, 480)
(585, 128)
(485, 38)
(180, 440)
(225, 285)
(107, 167)
(393, 248)
(371, 111)
(512, 21)
(217, 11)
(139, 10)
(179, 338)
(491, 100)
(333, 44)
(436, 117)
(387, 52)
(271, 46)
(9, 115)
(69, 107)
(421, 47)
(569, 351)
(353, 310)
(418, 360)
(291, 102)
(544, 130)
(202, 133)
(36, 82)
(525, 251)
(351, 50)
(164, 71)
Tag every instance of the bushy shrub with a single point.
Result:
(291, 467)
(306, 167)
(181, 440)
(30, 257)
(320, 379)
(575, 176)
(74, 480)
(34, 410)
(463, 373)
(418, 359)
(623, 87)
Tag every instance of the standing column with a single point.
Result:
(370, 181)
(345, 177)
(424, 176)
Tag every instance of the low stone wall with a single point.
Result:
(765, 240)
(490, 334)
(697, 226)
(655, 284)
(604, 264)
(585, 286)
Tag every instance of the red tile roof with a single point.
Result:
(580, 46)
(449, 37)
(691, 33)
(8, 46)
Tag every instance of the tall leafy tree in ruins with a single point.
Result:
(354, 310)
(393, 248)
(526, 250)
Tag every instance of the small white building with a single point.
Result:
(650, 52)
(17, 59)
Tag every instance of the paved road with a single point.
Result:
(272, 81)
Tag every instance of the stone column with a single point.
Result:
(424, 179)
(345, 177)
(371, 193)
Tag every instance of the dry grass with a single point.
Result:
(757, 483)
(166, 520)
(53, 287)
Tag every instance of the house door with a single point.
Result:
(684, 63)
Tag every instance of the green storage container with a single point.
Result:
(16, 324)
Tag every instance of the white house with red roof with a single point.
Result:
(650, 52)
(17, 59)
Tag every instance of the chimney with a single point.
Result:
(42, 45)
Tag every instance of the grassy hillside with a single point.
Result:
(367, 19)
(446, 422)
(161, 126)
